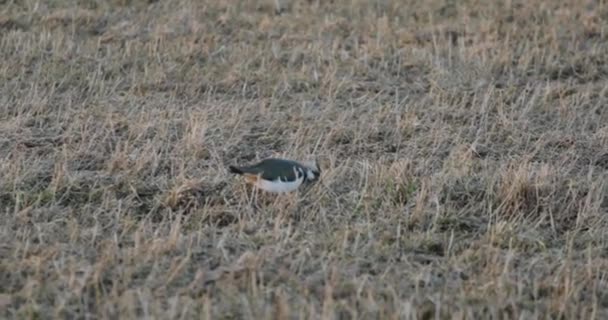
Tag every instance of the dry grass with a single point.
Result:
(464, 148)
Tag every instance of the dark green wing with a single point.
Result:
(275, 168)
(272, 169)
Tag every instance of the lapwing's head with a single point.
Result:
(313, 171)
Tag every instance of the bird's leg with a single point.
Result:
(276, 200)
(287, 203)
(278, 205)
(252, 199)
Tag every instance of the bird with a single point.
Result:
(276, 175)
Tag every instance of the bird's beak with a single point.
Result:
(317, 172)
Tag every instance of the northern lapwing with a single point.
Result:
(278, 175)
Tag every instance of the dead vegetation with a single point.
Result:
(464, 149)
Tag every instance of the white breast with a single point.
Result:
(279, 186)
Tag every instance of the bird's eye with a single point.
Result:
(311, 175)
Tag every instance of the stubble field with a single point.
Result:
(464, 149)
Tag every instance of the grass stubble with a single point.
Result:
(464, 148)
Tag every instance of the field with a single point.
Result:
(463, 147)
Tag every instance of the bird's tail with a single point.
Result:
(234, 169)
